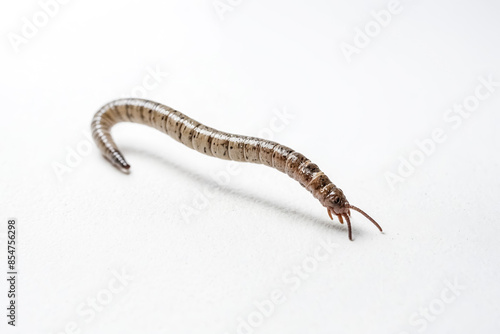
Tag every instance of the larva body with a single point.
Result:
(218, 144)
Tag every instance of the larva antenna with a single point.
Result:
(348, 225)
(366, 215)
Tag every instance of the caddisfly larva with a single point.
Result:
(221, 145)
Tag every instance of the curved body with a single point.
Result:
(217, 144)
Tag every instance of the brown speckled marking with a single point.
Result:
(218, 144)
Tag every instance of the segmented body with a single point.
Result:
(206, 140)
(217, 144)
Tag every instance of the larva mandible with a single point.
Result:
(219, 144)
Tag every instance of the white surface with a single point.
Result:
(354, 119)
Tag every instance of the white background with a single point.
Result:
(205, 272)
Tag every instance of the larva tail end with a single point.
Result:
(124, 168)
(119, 162)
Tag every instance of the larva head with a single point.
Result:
(337, 204)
